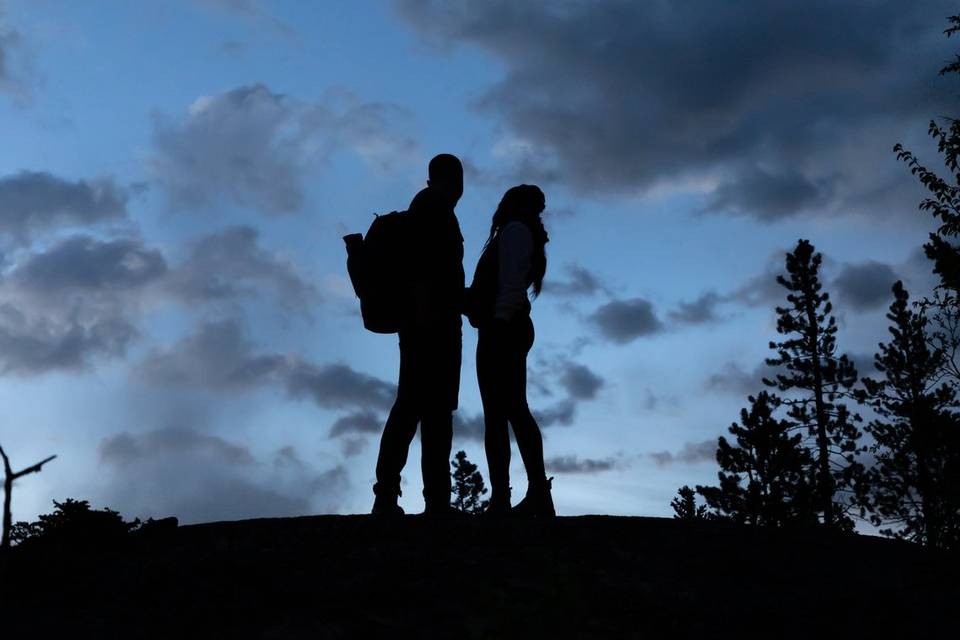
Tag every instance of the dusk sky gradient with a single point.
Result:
(176, 322)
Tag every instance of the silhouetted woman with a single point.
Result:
(512, 262)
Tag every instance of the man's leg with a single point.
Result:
(436, 440)
(400, 428)
(440, 391)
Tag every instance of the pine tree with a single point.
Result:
(815, 378)
(685, 505)
(912, 485)
(468, 486)
(772, 462)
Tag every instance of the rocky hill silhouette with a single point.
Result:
(590, 576)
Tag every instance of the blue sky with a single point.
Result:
(175, 179)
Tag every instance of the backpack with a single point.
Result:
(376, 264)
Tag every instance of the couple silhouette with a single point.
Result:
(431, 339)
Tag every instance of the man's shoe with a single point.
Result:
(537, 502)
(385, 502)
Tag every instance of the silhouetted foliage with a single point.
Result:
(74, 523)
(685, 505)
(772, 462)
(942, 248)
(9, 475)
(468, 486)
(913, 487)
(815, 378)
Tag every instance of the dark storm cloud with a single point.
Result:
(865, 286)
(575, 464)
(580, 282)
(690, 453)
(625, 320)
(773, 102)
(253, 147)
(580, 382)
(362, 422)
(36, 201)
(700, 311)
(231, 263)
(200, 478)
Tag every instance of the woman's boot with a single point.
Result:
(538, 501)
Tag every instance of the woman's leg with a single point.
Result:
(525, 428)
(496, 436)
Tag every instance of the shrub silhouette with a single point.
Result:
(73, 523)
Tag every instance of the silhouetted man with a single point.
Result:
(430, 345)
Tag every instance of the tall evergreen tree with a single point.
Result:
(815, 377)
(912, 485)
(468, 485)
(770, 458)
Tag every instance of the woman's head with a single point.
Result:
(525, 203)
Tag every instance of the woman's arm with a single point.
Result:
(516, 253)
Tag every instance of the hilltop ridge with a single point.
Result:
(588, 576)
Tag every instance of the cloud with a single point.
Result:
(218, 356)
(34, 346)
(358, 422)
(573, 464)
(199, 478)
(700, 311)
(866, 285)
(87, 266)
(337, 386)
(767, 108)
(468, 427)
(230, 263)
(76, 301)
(34, 201)
(625, 320)
(691, 453)
(561, 413)
(352, 447)
(580, 282)
(16, 64)
(768, 197)
(252, 147)
(252, 10)
(580, 382)
(126, 450)
(733, 379)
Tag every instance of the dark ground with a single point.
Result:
(592, 576)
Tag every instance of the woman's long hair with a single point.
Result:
(525, 203)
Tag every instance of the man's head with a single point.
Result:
(445, 176)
